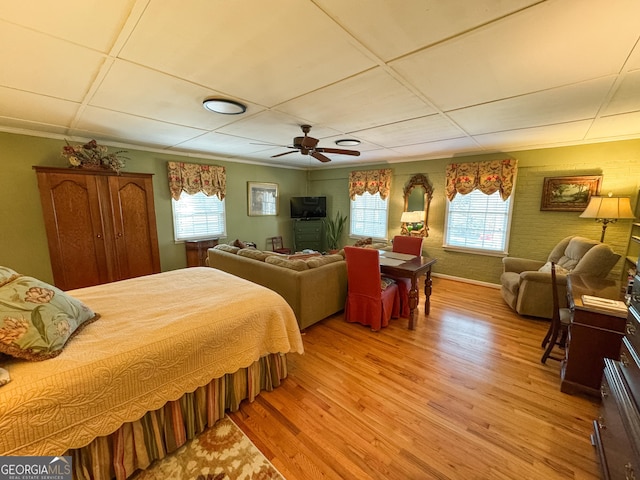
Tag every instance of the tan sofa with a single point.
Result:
(314, 287)
(526, 284)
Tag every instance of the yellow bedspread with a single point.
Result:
(158, 337)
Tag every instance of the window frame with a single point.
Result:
(352, 218)
(479, 250)
(204, 236)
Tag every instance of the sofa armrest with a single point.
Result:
(542, 277)
(518, 265)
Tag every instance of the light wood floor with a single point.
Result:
(464, 396)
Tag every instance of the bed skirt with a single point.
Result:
(135, 445)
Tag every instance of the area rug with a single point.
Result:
(222, 452)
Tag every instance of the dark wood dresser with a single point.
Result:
(616, 432)
(594, 334)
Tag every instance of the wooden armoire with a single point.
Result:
(101, 226)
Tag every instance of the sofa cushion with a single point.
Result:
(298, 265)
(253, 253)
(226, 248)
(316, 262)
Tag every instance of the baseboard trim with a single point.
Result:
(466, 280)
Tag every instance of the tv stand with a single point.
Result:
(308, 234)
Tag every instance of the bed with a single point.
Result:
(167, 355)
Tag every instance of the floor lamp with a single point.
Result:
(608, 210)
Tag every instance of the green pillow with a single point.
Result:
(6, 275)
(37, 319)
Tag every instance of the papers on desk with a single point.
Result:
(605, 304)
(398, 256)
(390, 262)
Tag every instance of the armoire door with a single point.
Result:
(134, 225)
(73, 215)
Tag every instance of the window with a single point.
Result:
(477, 221)
(369, 216)
(198, 216)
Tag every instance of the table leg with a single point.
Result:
(413, 302)
(427, 292)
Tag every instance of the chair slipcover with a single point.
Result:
(410, 246)
(367, 303)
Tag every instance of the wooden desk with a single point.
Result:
(413, 268)
(593, 336)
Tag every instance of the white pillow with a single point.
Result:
(546, 268)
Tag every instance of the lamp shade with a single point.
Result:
(411, 217)
(608, 208)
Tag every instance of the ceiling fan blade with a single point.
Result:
(285, 153)
(355, 153)
(319, 156)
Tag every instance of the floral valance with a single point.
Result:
(488, 177)
(193, 178)
(371, 181)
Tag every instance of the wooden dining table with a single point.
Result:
(412, 267)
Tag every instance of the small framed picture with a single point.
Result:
(569, 194)
(262, 199)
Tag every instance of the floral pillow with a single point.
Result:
(37, 319)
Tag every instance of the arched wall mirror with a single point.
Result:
(417, 192)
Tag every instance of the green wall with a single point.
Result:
(533, 232)
(23, 244)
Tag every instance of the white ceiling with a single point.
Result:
(411, 79)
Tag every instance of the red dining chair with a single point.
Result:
(371, 299)
(410, 246)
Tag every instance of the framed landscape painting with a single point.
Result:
(569, 194)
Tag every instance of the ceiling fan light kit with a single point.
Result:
(347, 142)
(224, 106)
(308, 146)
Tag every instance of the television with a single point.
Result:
(308, 207)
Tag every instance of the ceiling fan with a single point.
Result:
(308, 146)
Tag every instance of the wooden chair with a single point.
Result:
(560, 320)
(277, 246)
(410, 246)
(368, 302)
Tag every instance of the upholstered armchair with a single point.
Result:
(526, 284)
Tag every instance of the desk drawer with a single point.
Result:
(633, 328)
(617, 447)
(630, 367)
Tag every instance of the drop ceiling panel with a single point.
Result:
(391, 28)
(42, 64)
(158, 96)
(273, 127)
(526, 52)
(363, 101)
(621, 126)
(626, 97)
(37, 108)
(101, 123)
(419, 130)
(550, 135)
(559, 105)
(267, 57)
(94, 23)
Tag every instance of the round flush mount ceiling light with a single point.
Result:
(348, 142)
(224, 106)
